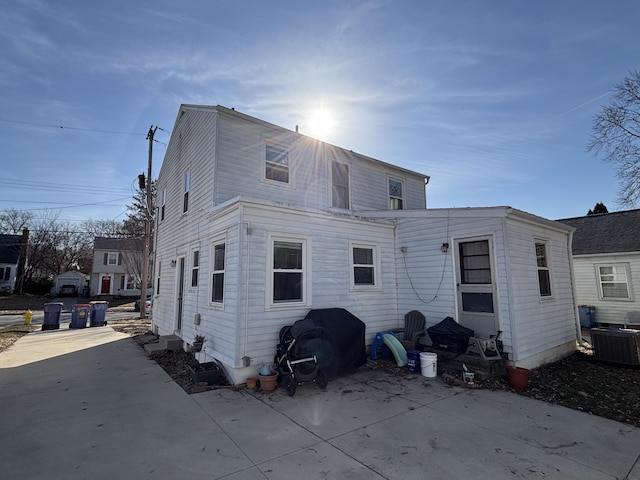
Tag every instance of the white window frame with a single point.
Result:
(402, 198)
(627, 281)
(375, 248)
(272, 238)
(195, 267)
(220, 271)
(347, 186)
(547, 267)
(131, 279)
(264, 163)
(186, 188)
(113, 256)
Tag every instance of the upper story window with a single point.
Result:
(339, 185)
(195, 267)
(276, 164)
(111, 258)
(544, 272)
(613, 281)
(187, 187)
(163, 204)
(396, 194)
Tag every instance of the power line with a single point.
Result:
(44, 125)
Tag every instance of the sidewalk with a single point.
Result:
(89, 404)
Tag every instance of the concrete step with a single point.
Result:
(152, 348)
(171, 342)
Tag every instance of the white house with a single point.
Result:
(72, 277)
(257, 224)
(116, 269)
(12, 248)
(606, 260)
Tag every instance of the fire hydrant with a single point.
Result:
(28, 315)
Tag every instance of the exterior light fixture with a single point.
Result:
(444, 247)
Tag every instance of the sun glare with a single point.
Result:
(321, 123)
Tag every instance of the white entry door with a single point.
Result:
(476, 286)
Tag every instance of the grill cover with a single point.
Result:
(450, 335)
(342, 346)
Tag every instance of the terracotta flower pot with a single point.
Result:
(251, 383)
(517, 377)
(268, 382)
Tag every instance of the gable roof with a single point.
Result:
(10, 248)
(116, 244)
(615, 232)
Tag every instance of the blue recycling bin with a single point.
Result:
(587, 316)
(79, 315)
(52, 315)
(98, 313)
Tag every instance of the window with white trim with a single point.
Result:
(288, 267)
(111, 258)
(158, 278)
(613, 281)
(276, 164)
(187, 187)
(132, 283)
(544, 272)
(339, 185)
(218, 251)
(396, 194)
(364, 266)
(195, 267)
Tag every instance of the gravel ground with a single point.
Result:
(578, 382)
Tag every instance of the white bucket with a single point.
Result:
(429, 364)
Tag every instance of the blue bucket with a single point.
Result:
(413, 361)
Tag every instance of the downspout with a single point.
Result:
(513, 340)
(573, 290)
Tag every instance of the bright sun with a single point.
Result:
(321, 123)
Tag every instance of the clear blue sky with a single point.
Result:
(494, 100)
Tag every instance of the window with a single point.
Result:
(158, 278)
(613, 281)
(111, 258)
(187, 187)
(217, 276)
(5, 273)
(396, 201)
(288, 271)
(475, 262)
(363, 265)
(132, 283)
(544, 274)
(340, 185)
(195, 267)
(276, 164)
(164, 203)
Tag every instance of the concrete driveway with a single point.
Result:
(88, 403)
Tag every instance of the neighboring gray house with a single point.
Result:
(117, 266)
(257, 224)
(606, 262)
(10, 248)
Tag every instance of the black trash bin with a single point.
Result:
(52, 315)
(79, 315)
(98, 313)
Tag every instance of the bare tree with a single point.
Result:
(616, 134)
(13, 222)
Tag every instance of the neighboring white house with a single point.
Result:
(116, 269)
(73, 277)
(10, 259)
(257, 224)
(606, 261)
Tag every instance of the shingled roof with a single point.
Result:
(615, 232)
(10, 248)
(116, 244)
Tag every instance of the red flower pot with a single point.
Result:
(517, 377)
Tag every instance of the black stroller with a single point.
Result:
(296, 358)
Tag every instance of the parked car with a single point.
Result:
(68, 291)
(136, 308)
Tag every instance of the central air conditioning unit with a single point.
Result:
(616, 346)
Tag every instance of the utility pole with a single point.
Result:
(147, 230)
